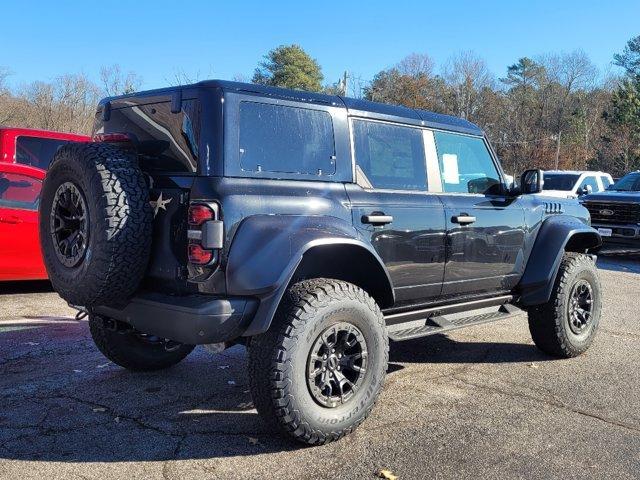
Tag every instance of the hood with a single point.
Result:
(612, 196)
(556, 194)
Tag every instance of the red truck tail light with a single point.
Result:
(206, 233)
(114, 137)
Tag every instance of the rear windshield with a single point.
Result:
(560, 181)
(166, 141)
(628, 183)
(37, 152)
(277, 138)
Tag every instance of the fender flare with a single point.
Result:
(556, 235)
(266, 251)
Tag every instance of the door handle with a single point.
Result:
(12, 220)
(463, 219)
(377, 218)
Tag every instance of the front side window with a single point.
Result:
(277, 138)
(466, 165)
(390, 156)
(19, 191)
(37, 152)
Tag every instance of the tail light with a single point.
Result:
(206, 233)
(114, 137)
(198, 255)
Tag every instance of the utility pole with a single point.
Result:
(558, 137)
(345, 83)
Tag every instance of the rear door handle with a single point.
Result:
(377, 218)
(463, 219)
(12, 220)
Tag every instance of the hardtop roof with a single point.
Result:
(355, 107)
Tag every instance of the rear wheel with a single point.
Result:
(317, 372)
(134, 350)
(567, 324)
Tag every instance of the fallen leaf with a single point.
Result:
(102, 366)
(252, 440)
(386, 474)
(222, 367)
(231, 382)
(78, 371)
(117, 419)
(99, 409)
(533, 365)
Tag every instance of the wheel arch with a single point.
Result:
(557, 235)
(365, 270)
(269, 253)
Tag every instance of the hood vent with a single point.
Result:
(553, 208)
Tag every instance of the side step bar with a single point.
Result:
(432, 324)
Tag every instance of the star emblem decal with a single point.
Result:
(159, 204)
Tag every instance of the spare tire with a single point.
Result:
(95, 224)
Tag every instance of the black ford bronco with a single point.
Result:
(310, 228)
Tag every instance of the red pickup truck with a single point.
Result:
(25, 155)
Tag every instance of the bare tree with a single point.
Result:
(466, 75)
(116, 82)
(6, 105)
(67, 104)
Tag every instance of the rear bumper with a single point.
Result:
(192, 320)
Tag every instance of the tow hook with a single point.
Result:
(82, 311)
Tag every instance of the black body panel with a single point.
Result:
(284, 220)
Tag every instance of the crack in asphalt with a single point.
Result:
(553, 402)
(179, 437)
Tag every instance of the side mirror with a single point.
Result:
(586, 190)
(531, 181)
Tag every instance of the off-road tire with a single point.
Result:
(549, 323)
(277, 360)
(129, 349)
(119, 223)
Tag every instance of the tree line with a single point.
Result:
(552, 111)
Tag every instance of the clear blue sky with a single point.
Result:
(222, 39)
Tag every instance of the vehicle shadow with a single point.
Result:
(619, 263)
(439, 349)
(30, 286)
(62, 401)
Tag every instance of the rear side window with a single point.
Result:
(277, 138)
(466, 165)
(389, 156)
(37, 152)
(19, 191)
(605, 181)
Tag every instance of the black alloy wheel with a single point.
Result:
(69, 225)
(337, 364)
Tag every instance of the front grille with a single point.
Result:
(618, 213)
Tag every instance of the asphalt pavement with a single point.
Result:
(477, 403)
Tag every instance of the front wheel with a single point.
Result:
(317, 372)
(567, 324)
